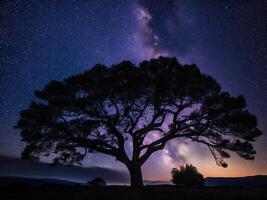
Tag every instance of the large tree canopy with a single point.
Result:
(100, 109)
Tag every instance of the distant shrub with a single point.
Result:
(98, 181)
(187, 175)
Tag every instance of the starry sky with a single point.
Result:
(43, 40)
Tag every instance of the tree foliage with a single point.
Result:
(187, 175)
(100, 109)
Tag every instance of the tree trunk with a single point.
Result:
(136, 176)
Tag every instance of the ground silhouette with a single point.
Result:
(122, 192)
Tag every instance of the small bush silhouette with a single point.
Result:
(98, 181)
(187, 175)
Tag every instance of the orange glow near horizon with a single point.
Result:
(237, 167)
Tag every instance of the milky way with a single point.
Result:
(45, 40)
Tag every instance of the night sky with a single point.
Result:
(50, 40)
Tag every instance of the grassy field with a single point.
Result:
(126, 193)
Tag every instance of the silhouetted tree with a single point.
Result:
(187, 175)
(98, 181)
(100, 109)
